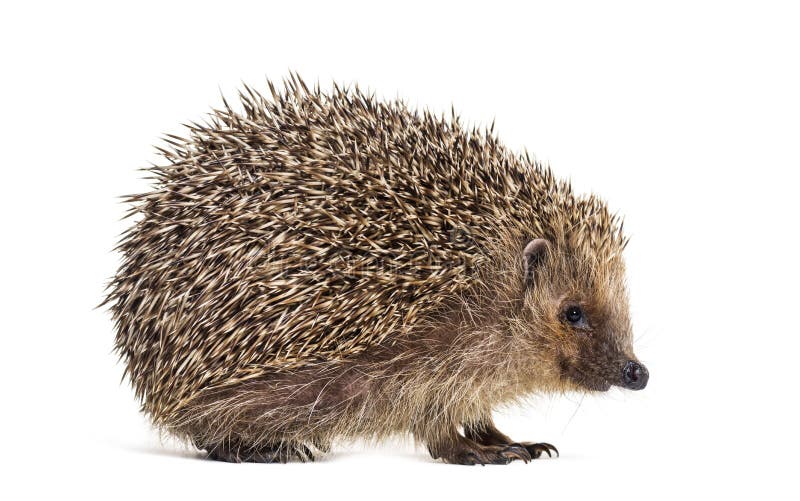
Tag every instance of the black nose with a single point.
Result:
(634, 375)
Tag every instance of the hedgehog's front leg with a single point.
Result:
(486, 433)
(455, 448)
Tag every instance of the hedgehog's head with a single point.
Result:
(576, 312)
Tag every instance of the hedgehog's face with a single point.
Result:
(580, 311)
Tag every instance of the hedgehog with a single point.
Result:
(317, 266)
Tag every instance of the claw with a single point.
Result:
(517, 451)
(551, 447)
(536, 450)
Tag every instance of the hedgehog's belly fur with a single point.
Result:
(420, 385)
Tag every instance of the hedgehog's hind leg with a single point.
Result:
(486, 433)
(234, 452)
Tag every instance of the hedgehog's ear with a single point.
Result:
(532, 257)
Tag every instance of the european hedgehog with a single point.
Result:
(321, 266)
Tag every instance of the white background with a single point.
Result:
(685, 117)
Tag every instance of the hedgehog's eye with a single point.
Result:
(574, 314)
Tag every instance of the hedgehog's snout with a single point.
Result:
(634, 375)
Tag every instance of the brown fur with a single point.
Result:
(329, 267)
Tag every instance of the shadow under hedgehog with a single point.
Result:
(325, 266)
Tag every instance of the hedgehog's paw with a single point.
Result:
(487, 434)
(465, 451)
(269, 453)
